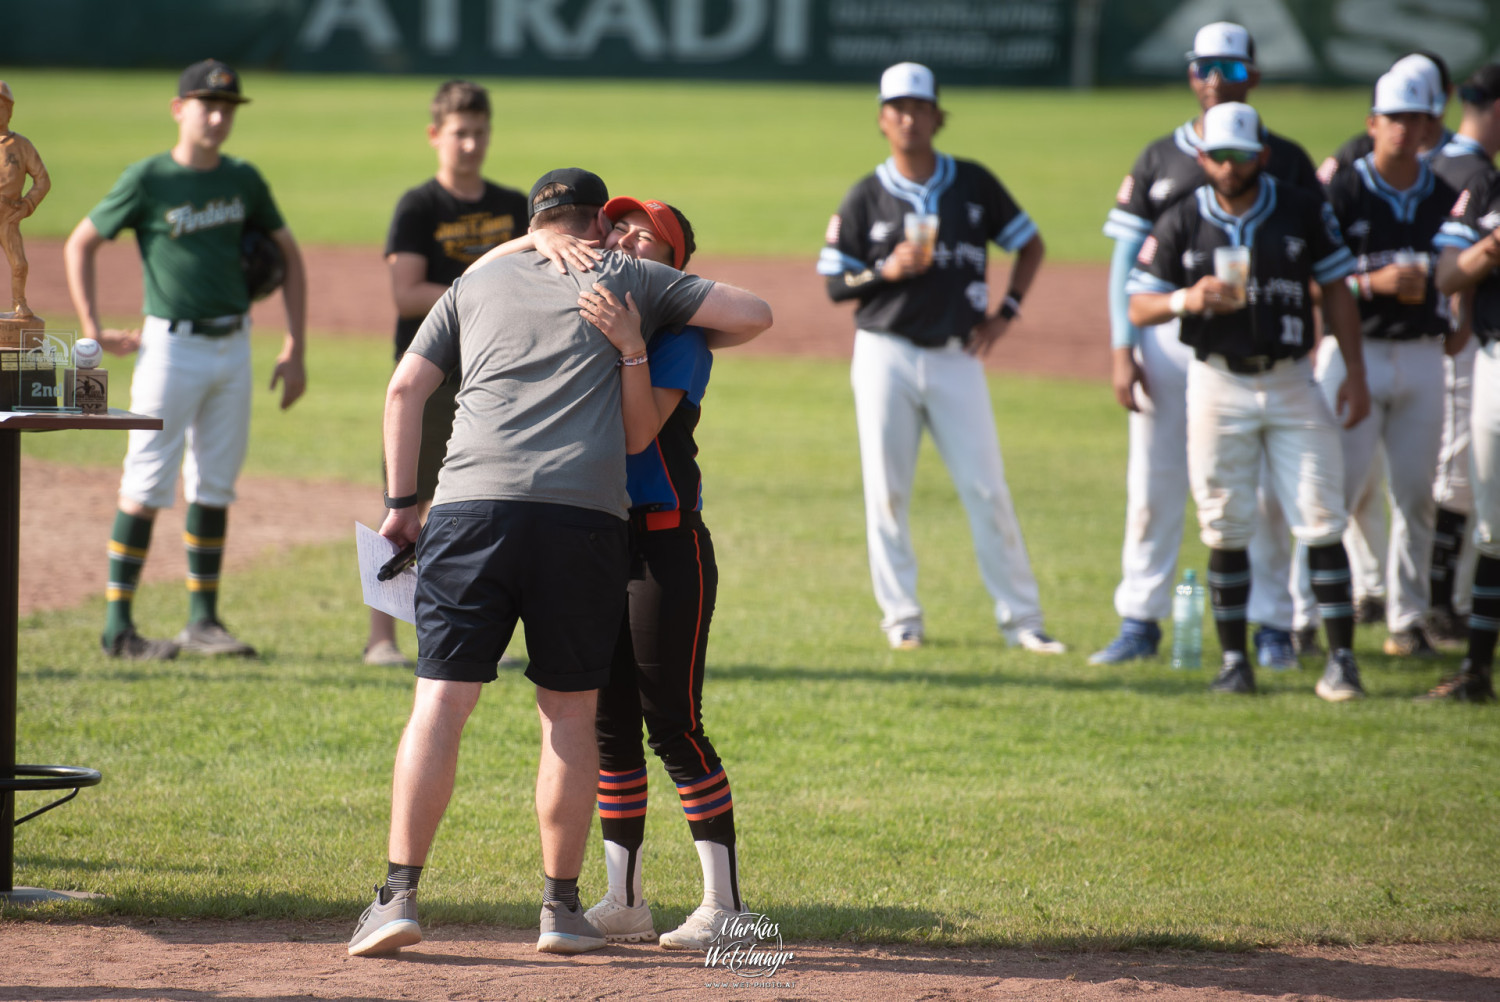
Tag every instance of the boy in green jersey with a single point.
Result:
(189, 208)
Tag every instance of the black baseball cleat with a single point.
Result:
(129, 645)
(1369, 609)
(1235, 677)
(1447, 629)
(1468, 686)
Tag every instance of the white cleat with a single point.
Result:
(622, 923)
(1035, 641)
(702, 929)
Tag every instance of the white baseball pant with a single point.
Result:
(1452, 489)
(200, 387)
(1233, 422)
(1484, 449)
(1406, 417)
(899, 389)
(1156, 493)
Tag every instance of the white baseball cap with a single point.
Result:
(1418, 65)
(1397, 93)
(1231, 126)
(908, 80)
(1222, 40)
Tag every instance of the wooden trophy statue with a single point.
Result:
(20, 329)
(18, 159)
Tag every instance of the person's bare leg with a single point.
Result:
(426, 763)
(567, 778)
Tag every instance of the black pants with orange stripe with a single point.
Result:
(656, 677)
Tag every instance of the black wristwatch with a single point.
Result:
(402, 502)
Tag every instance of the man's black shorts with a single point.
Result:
(561, 570)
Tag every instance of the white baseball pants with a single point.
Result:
(1406, 417)
(1484, 429)
(1236, 421)
(1156, 493)
(1452, 489)
(200, 387)
(899, 389)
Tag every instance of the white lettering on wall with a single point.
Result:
(1380, 31)
(370, 19)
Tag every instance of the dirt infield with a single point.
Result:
(1062, 333)
(262, 961)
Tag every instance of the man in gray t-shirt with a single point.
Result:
(517, 436)
(528, 524)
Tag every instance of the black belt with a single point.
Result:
(215, 327)
(652, 521)
(1253, 365)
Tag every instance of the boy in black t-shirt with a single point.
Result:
(439, 229)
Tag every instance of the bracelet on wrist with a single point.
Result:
(404, 501)
(1177, 302)
(1366, 290)
(1010, 307)
(634, 359)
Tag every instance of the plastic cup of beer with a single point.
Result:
(1232, 267)
(1411, 291)
(921, 229)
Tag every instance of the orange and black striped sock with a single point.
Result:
(622, 821)
(709, 807)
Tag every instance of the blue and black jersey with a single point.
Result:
(1474, 217)
(1378, 222)
(1293, 239)
(665, 477)
(1462, 162)
(952, 297)
(1360, 145)
(1168, 170)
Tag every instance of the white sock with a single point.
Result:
(623, 868)
(720, 875)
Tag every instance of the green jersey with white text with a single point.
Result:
(188, 224)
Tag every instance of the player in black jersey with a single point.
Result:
(1150, 375)
(1471, 263)
(1426, 67)
(1236, 262)
(1390, 206)
(1467, 158)
(909, 244)
(439, 229)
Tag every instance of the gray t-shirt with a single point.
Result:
(539, 398)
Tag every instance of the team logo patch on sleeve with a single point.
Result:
(1461, 205)
(831, 235)
(1148, 251)
(1127, 187)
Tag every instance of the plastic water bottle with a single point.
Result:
(1187, 622)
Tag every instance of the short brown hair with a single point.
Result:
(458, 96)
(569, 218)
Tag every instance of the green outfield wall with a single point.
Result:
(1043, 43)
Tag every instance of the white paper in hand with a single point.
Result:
(396, 597)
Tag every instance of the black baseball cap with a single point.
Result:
(1483, 87)
(213, 80)
(584, 188)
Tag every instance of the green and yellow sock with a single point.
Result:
(128, 542)
(203, 535)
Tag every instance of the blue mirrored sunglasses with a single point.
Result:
(1231, 156)
(1229, 70)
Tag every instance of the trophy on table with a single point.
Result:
(39, 369)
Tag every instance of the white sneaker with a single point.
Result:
(699, 931)
(622, 923)
(905, 639)
(1035, 641)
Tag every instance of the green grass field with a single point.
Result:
(963, 793)
(757, 167)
